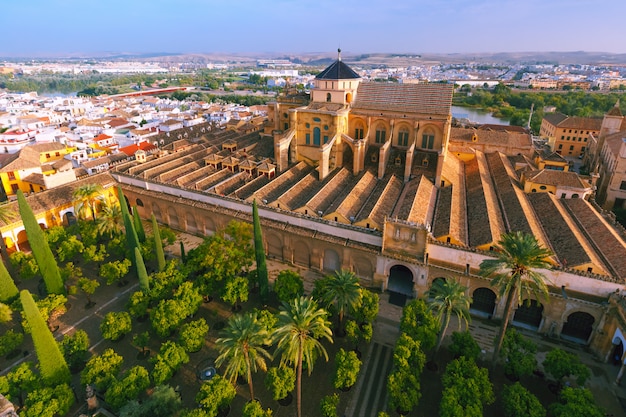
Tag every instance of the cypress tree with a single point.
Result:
(141, 234)
(132, 241)
(158, 244)
(41, 251)
(142, 274)
(182, 252)
(8, 290)
(259, 251)
(52, 365)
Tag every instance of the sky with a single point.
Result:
(45, 28)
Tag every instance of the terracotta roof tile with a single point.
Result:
(413, 98)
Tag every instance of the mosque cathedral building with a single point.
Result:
(373, 177)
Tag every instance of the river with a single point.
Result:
(476, 116)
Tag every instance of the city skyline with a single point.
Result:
(40, 28)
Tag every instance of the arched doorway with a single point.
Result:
(301, 255)
(156, 210)
(192, 226)
(331, 260)
(274, 246)
(400, 284)
(528, 315)
(362, 267)
(483, 302)
(69, 219)
(578, 327)
(617, 353)
(174, 223)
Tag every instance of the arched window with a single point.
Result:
(403, 137)
(358, 131)
(428, 139)
(139, 203)
(328, 97)
(381, 134)
(316, 136)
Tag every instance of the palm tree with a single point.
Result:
(110, 220)
(514, 274)
(448, 298)
(241, 346)
(300, 326)
(343, 291)
(87, 196)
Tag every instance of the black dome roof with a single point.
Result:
(337, 71)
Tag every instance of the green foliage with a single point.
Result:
(519, 354)
(129, 387)
(158, 244)
(356, 332)
(170, 358)
(71, 273)
(464, 344)
(561, 364)
(189, 296)
(102, 369)
(167, 316)
(8, 289)
(222, 257)
(347, 367)
(407, 354)
(192, 335)
(418, 322)
(467, 389)
(10, 341)
(94, 253)
(41, 251)
(328, 405)
(163, 283)
(288, 285)
(215, 395)
(115, 325)
(241, 347)
(342, 291)
(88, 286)
(52, 306)
(115, 271)
(141, 340)
(447, 298)
(6, 314)
(575, 402)
(164, 402)
(52, 365)
(141, 233)
(69, 248)
(518, 401)
(254, 409)
(280, 381)
(142, 274)
(259, 252)
(132, 240)
(19, 381)
(236, 290)
(403, 388)
(514, 272)
(266, 319)
(75, 348)
(55, 235)
(55, 401)
(138, 304)
(367, 310)
(25, 264)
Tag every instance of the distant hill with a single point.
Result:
(368, 59)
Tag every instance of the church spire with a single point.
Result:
(339, 56)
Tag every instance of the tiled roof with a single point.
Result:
(554, 118)
(608, 244)
(502, 128)
(615, 111)
(338, 70)
(409, 98)
(585, 123)
(492, 137)
(562, 240)
(556, 178)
